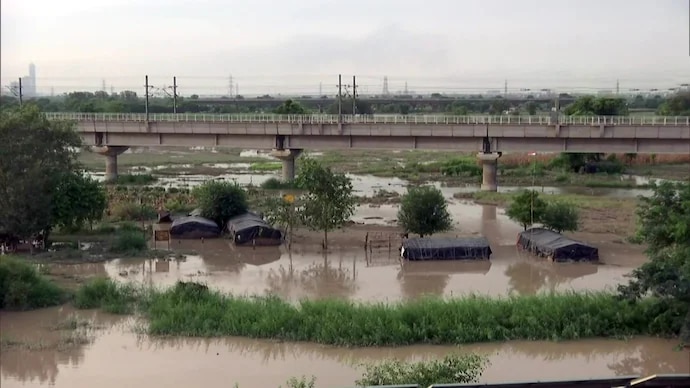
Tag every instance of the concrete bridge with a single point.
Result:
(287, 135)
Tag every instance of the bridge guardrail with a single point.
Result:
(373, 119)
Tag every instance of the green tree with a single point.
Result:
(559, 216)
(219, 201)
(284, 212)
(35, 155)
(526, 208)
(597, 106)
(664, 225)
(329, 201)
(678, 105)
(78, 199)
(290, 107)
(423, 211)
(531, 108)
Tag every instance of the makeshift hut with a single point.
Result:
(461, 248)
(555, 246)
(251, 229)
(193, 227)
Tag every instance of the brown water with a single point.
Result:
(116, 356)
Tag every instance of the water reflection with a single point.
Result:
(329, 278)
(528, 277)
(420, 278)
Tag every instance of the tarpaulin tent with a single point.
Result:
(194, 227)
(555, 246)
(461, 248)
(250, 228)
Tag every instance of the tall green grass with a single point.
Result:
(108, 295)
(22, 287)
(135, 179)
(196, 311)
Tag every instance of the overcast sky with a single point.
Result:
(295, 44)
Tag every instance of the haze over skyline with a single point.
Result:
(291, 46)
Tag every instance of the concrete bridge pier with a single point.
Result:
(110, 153)
(489, 170)
(288, 158)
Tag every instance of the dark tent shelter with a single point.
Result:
(446, 248)
(250, 228)
(194, 227)
(196, 212)
(555, 246)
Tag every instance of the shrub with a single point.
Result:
(135, 179)
(129, 242)
(277, 184)
(131, 211)
(559, 216)
(220, 201)
(423, 211)
(453, 368)
(526, 208)
(461, 167)
(23, 288)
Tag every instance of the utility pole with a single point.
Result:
(146, 85)
(340, 98)
(21, 94)
(174, 94)
(354, 95)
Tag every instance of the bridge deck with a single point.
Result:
(377, 119)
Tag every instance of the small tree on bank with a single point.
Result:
(219, 201)
(560, 217)
(329, 201)
(423, 211)
(78, 199)
(284, 212)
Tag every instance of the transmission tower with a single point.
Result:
(385, 86)
(231, 89)
(405, 92)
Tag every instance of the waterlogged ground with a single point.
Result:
(52, 347)
(107, 351)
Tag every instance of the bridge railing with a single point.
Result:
(373, 119)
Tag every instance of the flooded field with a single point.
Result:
(108, 352)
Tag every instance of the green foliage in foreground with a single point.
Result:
(196, 311)
(453, 368)
(22, 287)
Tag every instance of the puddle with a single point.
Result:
(117, 357)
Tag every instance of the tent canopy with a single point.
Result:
(194, 227)
(446, 248)
(250, 228)
(547, 243)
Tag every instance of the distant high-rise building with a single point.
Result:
(29, 82)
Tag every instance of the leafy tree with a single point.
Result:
(78, 199)
(531, 108)
(527, 208)
(597, 106)
(35, 155)
(664, 225)
(678, 105)
(219, 201)
(424, 211)
(284, 212)
(329, 201)
(559, 216)
(290, 107)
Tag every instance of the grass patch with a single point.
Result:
(108, 295)
(135, 179)
(22, 287)
(190, 309)
(581, 201)
(132, 212)
(265, 166)
(277, 184)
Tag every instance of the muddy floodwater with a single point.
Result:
(109, 352)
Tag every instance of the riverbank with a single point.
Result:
(415, 166)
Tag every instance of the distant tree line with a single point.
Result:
(131, 102)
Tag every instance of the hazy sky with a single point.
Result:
(292, 45)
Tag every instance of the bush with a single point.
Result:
(106, 294)
(220, 201)
(461, 167)
(526, 208)
(135, 179)
(129, 242)
(277, 184)
(132, 212)
(23, 288)
(453, 368)
(423, 211)
(559, 216)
